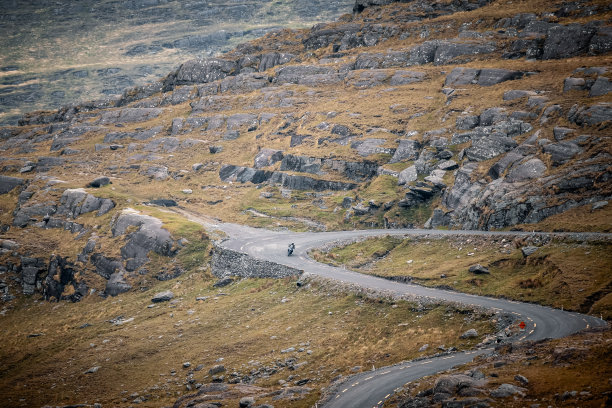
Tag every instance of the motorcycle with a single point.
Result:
(290, 249)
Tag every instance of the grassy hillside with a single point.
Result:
(49, 347)
(562, 273)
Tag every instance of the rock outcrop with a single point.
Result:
(75, 202)
(7, 184)
(149, 236)
(295, 182)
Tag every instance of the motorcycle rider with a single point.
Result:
(291, 248)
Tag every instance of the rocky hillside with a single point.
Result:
(520, 375)
(56, 53)
(473, 114)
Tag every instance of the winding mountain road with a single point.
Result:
(370, 389)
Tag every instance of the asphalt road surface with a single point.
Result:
(370, 389)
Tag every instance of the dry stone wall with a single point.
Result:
(226, 262)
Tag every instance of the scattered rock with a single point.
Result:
(469, 334)
(516, 94)
(574, 84)
(150, 236)
(602, 86)
(407, 150)
(561, 133)
(592, 115)
(531, 169)
(267, 157)
(217, 369)
(9, 183)
(485, 147)
(246, 402)
(564, 41)
(482, 77)
(99, 182)
(117, 284)
(598, 205)
(157, 172)
(165, 296)
(200, 72)
(507, 390)
(129, 115)
(408, 175)
(562, 152)
(163, 202)
(522, 379)
(367, 147)
(223, 282)
(478, 269)
(448, 165)
(528, 250)
(77, 201)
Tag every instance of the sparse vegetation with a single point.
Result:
(349, 116)
(561, 273)
(47, 347)
(573, 371)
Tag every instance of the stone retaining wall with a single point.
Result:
(226, 262)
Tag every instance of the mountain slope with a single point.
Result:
(479, 115)
(52, 54)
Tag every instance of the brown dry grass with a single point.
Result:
(587, 372)
(567, 274)
(138, 357)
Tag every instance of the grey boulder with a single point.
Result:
(478, 269)
(99, 182)
(117, 284)
(602, 86)
(469, 334)
(407, 175)
(528, 250)
(531, 169)
(77, 201)
(267, 157)
(407, 150)
(592, 115)
(7, 184)
(150, 236)
(163, 297)
(201, 71)
(507, 390)
(129, 115)
(562, 152)
(485, 147)
(482, 77)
